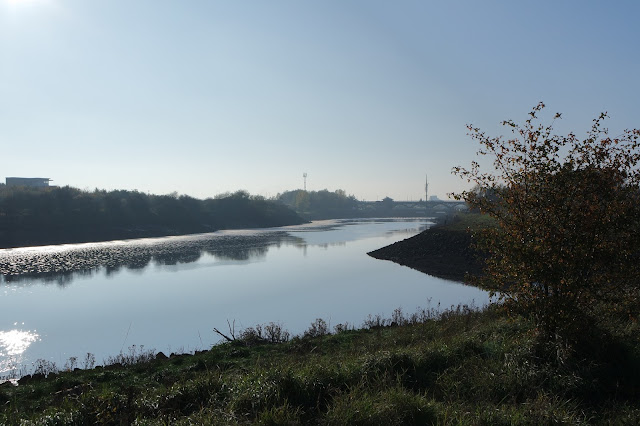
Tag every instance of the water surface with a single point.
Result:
(168, 293)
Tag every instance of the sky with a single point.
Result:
(203, 97)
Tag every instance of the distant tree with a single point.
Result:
(321, 204)
(568, 221)
(387, 203)
(241, 194)
(302, 202)
(222, 195)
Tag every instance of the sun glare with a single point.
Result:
(14, 342)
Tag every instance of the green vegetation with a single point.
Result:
(469, 222)
(568, 218)
(321, 204)
(467, 367)
(37, 216)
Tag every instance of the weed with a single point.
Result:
(375, 321)
(44, 367)
(71, 364)
(89, 361)
(342, 327)
(318, 328)
(136, 355)
(267, 333)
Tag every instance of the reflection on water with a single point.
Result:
(62, 264)
(13, 343)
(168, 293)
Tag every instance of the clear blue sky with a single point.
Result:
(203, 97)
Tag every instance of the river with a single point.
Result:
(167, 294)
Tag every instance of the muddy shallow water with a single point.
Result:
(167, 294)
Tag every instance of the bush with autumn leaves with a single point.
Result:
(565, 250)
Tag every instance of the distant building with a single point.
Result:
(434, 198)
(31, 182)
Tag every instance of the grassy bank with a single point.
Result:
(466, 367)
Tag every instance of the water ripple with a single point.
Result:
(135, 254)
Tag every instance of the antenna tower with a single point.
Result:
(426, 188)
(304, 175)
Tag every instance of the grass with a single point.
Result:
(463, 367)
(469, 221)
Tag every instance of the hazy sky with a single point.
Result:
(203, 97)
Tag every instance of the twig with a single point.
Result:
(223, 335)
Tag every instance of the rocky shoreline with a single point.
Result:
(439, 251)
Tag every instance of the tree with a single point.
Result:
(567, 215)
(303, 201)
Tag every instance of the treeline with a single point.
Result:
(321, 204)
(39, 216)
(324, 204)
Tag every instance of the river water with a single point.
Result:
(167, 294)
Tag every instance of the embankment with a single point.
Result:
(440, 251)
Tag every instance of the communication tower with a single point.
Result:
(304, 175)
(426, 188)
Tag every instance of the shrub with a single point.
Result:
(318, 328)
(267, 333)
(567, 213)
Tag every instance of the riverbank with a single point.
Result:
(463, 367)
(444, 251)
(51, 216)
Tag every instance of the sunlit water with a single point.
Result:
(168, 293)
